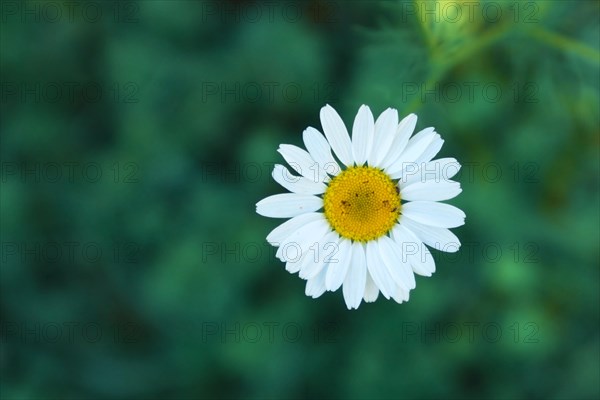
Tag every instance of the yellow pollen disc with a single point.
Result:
(362, 203)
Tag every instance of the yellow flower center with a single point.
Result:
(362, 203)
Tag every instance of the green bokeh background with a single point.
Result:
(171, 102)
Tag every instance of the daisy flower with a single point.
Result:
(361, 219)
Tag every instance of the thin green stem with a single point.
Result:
(426, 32)
(443, 65)
(566, 44)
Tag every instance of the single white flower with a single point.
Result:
(364, 225)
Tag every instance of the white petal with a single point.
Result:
(320, 255)
(448, 167)
(430, 190)
(356, 278)
(401, 295)
(362, 134)
(414, 149)
(308, 257)
(385, 131)
(423, 263)
(301, 162)
(398, 266)
(437, 170)
(434, 214)
(337, 134)
(431, 151)
(338, 266)
(293, 248)
(438, 238)
(294, 266)
(320, 151)
(284, 230)
(298, 243)
(296, 184)
(417, 254)
(378, 270)
(371, 290)
(287, 205)
(315, 287)
(403, 132)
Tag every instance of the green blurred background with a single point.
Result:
(136, 138)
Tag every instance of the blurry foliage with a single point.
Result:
(543, 132)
